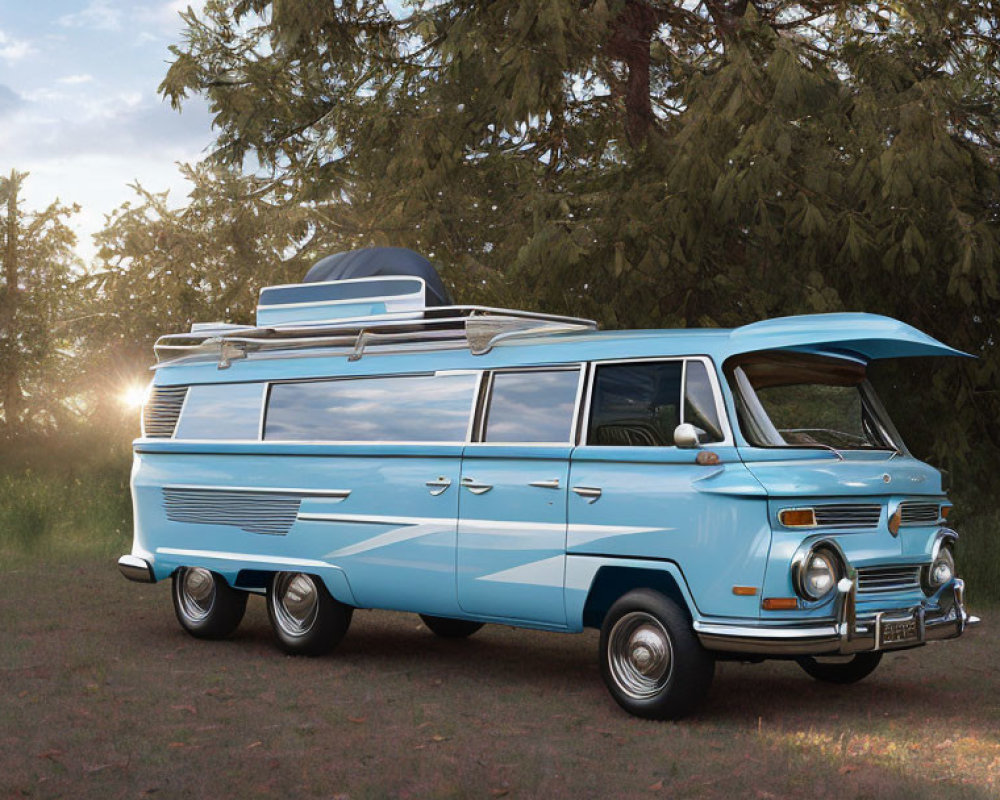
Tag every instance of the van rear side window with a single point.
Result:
(535, 406)
(410, 408)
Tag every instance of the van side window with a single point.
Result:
(221, 411)
(532, 406)
(700, 409)
(410, 408)
(636, 405)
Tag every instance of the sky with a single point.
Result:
(79, 108)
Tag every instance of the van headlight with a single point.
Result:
(815, 575)
(941, 570)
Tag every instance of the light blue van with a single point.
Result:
(694, 494)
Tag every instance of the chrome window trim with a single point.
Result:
(684, 386)
(317, 442)
(713, 379)
(488, 399)
(263, 410)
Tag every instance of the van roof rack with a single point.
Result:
(479, 328)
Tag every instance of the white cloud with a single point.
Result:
(100, 14)
(75, 80)
(165, 16)
(14, 49)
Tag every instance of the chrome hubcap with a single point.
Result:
(197, 593)
(640, 655)
(295, 601)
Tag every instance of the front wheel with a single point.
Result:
(841, 670)
(651, 661)
(206, 606)
(305, 618)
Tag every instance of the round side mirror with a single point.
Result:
(686, 435)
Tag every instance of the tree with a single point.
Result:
(642, 161)
(161, 267)
(38, 269)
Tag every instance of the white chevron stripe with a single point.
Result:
(547, 572)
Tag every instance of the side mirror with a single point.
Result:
(686, 435)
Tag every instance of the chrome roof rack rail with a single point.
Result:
(479, 328)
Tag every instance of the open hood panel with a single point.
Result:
(865, 336)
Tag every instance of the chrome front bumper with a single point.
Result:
(136, 569)
(942, 616)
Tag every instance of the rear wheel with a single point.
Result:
(840, 669)
(206, 606)
(306, 619)
(450, 628)
(651, 661)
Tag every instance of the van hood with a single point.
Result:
(821, 474)
(865, 336)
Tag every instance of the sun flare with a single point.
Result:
(133, 396)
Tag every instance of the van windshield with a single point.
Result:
(799, 400)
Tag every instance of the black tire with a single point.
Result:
(651, 661)
(850, 670)
(304, 616)
(206, 606)
(448, 628)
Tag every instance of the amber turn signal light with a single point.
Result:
(744, 591)
(894, 522)
(780, 603)
(945, 511)
(797, 517)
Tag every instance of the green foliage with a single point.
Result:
(38, 302)
(63, 497)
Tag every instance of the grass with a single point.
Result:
(104, 696)
(76, 513)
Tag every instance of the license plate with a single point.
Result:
(897, 630)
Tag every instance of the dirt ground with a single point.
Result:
(102, 695)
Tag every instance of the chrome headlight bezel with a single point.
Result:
(940, 571)
(828, 552)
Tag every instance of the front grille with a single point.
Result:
(848, 515)
(917, 512)
(254, 512)
(159, 414)
(873, 580)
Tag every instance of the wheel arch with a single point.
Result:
(612, 581)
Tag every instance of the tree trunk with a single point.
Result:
(12, 399)
(629, 43)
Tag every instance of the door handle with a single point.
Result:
(590, 493)
(475, 487)
(439, 486)
(550, 484)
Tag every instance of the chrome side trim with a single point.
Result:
(336, 494)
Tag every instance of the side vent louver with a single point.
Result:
(253, 512)
(159, 415)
